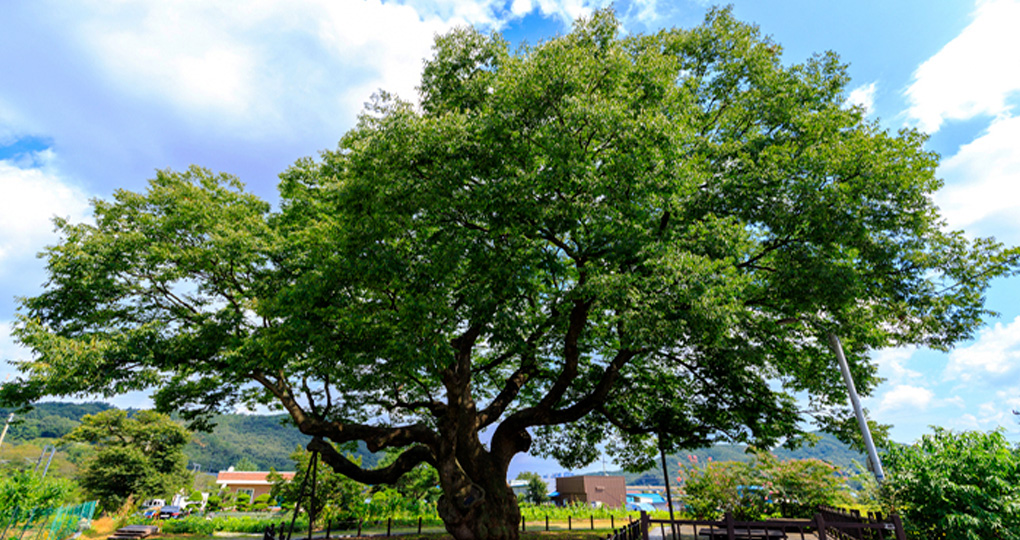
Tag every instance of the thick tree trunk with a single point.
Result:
(488, 511)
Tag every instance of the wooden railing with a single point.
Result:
(635, 530)
(827, 524)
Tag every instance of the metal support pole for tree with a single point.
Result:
(6, 425)
(669, 495)
(876, 463)
(53, 452)
(311, 497)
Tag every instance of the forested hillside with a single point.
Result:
(268, 441)
(49, 420)
(265, 441)
(828, 449)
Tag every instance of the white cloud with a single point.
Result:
(891, 364)
(123, 88)
(983, 179)
(521, 7)
(31, 198)
(989, 415)
(905, 398)
(974, 74)
(569, 10)
(993, 357)
(9, 350)
(249, 66)
(643, 11)
(863, 96)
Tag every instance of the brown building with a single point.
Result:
(591, 490)
(251, 483)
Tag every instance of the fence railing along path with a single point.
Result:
(827, 524)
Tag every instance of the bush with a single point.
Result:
(765, 486)
(724, 486)
(956, 485)
(207, 526)
(261, 503)
(213, 503)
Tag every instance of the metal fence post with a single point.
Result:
(820, 523)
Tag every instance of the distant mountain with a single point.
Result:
(267, 441)
(828, 448)
(50, 420)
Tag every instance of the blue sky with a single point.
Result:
(97, 95)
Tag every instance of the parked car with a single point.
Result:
(152, 512)
(171, 512)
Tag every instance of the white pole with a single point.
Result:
(876, 463)
(4, 434)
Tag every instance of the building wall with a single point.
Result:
(255, 489)
(608, 490)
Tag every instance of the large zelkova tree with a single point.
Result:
(140, 456)
(597, 239)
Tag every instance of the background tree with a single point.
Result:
(245, 464)
(141, 455)
(336, 496)
(956, 485)
(419, 487)
(538, 491)
(593, 239)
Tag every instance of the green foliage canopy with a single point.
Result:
(336, 496)
(598, 238)
(245, 464)
(765, 485)
(27, 490)
(956, 485)
(141, 455)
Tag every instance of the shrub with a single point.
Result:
(213, 503)
(724, 486)
(956, 485)
(765, 486)
(261, 503)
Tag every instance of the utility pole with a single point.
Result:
(876, 463)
